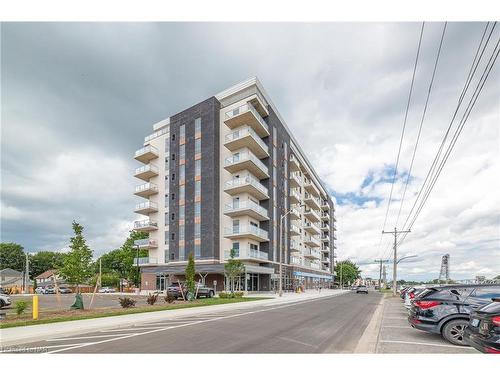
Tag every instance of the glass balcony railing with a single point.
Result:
(146, 243)
(245, 108)
(247, 180)
(145, 260)
(149, 186)
(245, 156)
(146, 206)
(241, 133)
(247, 253)
(246, 205)
(250, 229)
(146, 168)
(145, 224)
(146, 150)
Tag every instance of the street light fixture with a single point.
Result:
(406, 257)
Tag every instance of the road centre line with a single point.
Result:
(189, 324)
(84, 337)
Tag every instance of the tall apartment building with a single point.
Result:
(227, 174)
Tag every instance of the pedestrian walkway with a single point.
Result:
(20, 335)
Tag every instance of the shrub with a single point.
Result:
(20, 307)
(231, 295)
(238, 294)
(169, 298)
(152, 298)
(126, 302)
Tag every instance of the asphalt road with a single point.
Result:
(328, 325)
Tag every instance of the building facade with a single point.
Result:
(227, 174)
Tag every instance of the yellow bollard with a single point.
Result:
(35, 307)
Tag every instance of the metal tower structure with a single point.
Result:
(444, 274)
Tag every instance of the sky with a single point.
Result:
(78, 98)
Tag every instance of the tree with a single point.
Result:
(496, 277)
(78, 266)
(44, 261)
(121, 261)
(12, 256)
(190, 272)
(234, 268)
(349, 271)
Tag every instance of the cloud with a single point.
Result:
(78, 100)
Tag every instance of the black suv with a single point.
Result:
(445, 310)
(483, 331)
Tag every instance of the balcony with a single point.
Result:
(248, 231)
(294, 163)
(246, 137)
(334, 236)
(294, 196)
(325, 227)
(294, 179)
(312, 254)
(247, 207)
(312, 241)
(246, 161)
(325, 249)
(146, 208)
(145, 261)
(324, 204)
(294, 246)
(248, 185)
(325, 238)
(145, 225)
(146, 244)
(296, 260)
(294, 230)
(325, 260)
(325, 215)
(146, 172)
(312, 201)
(311, 228)
(146, 190)
(247, 115)
(247, 253)
(312, 215)
(311, 188)
(294, 213)
(146, 154)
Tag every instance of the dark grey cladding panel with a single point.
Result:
(208, 110)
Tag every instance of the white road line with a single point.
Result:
(185, 325)
(85, 337)
(426, 344)
(297, 342)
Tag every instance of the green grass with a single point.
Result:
(134, 310)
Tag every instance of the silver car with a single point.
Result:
(4, 300)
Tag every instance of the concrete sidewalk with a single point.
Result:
(21, 335)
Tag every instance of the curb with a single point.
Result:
(369, 340)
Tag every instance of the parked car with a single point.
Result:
(354, 287)
(205, 291)
(410, 295)
(107, 289)
(483, 331)
(377, 287)
(174, 290)
(362, 289)
(445, 310)
(402, 292)
(40, 290)
(49, 290)
(4, 300)
(65, 290)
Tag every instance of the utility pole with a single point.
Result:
(380, 273)
(395, 260)
(100, 273)
(27, 275)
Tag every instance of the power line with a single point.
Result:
(421, 121)
(470, 76)
(404, 126)
(458, 131)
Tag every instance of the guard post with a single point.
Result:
(35, 307)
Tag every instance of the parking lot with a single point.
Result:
(397, 336)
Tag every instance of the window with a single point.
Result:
(236, 248)
(197, 167)
(197, 230)
(182, 151)
(173, 137)
(182, 252)
(197, 188)
(197, 250)
(182, 193)
(182, 172)
(173, 196)
(254, 247)
(172, 216)
(182, 212)
(182, 131)
(172, 256)
(181, 232)
(197, 146)
(166, 239)
(173, 176)
(172, 236)
(173, 156)
(166, 218)
(167, 144)
(197, 125)
(197, 209)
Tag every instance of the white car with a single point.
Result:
(410, 295)
(4, 300)
(107, 289)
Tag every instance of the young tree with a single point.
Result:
(190, 273)
(77, 267)
(12, 256)
(234, 268)
(349, 271)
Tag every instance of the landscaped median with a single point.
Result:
(71, 315)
